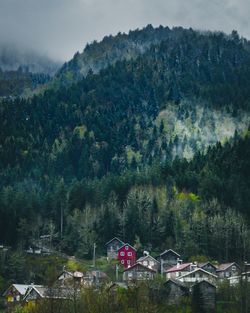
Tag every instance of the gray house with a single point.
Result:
(149, 261)
(198, 275)
(138, 272)
(168, 259)
(207, 293)
(227, 270)
(112, 248)
(176, 290)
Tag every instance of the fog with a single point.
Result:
(59, 28)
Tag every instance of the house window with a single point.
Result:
(122, 261)
(122, 253)
(128, 261)
(233, 268)
(129, 253)
(145, 263)
(126, 247)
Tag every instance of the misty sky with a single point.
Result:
(59, 28)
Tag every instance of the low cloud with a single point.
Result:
(61, 27)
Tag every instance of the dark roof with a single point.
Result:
(201, 265)
(55, 293)
(225, 266)
(126, 244)
(176, 282)
(139, 265)
(178, 268)
(115, 238)
(169, 250)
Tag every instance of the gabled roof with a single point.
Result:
(115, 238)
(225, 266)
(178, 268)
(139, 265)
(75, 274)
(65, 272)
(203, 282)
(176, 282)
(126, 244)
(146, 256)
(21, 288)
(55, 293)
(197, 270)
(201, 265)
(169, 250)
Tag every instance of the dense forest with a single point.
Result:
(20, 82)
(152, 138)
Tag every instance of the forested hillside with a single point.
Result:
(20, 82)
(126, 134)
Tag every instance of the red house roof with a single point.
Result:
(178, 267)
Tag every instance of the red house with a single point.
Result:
(127, 255)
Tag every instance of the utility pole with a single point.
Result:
(116, 272)
(61, 220)
(94, 255)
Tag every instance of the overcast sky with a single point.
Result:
(59, 28)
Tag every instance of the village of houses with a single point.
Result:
(180, 277)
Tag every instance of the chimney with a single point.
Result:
(194, 266)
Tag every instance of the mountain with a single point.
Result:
(99, 55)
(107, 142)
(178, 97)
